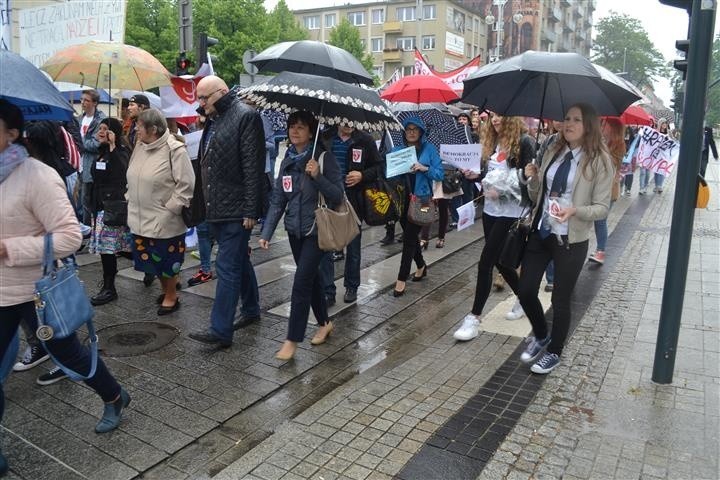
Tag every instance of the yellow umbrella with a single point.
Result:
(107, 65)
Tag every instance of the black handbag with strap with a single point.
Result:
(515, 242)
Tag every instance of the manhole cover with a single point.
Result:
(129, 339)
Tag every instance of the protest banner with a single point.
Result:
(399, 162)
(5, 26)
(464, 157)
(656, 151)
(45, 30)
(466, 215)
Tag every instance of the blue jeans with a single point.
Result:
(550, 272)
(236, 278)
(659, 180)
(644, 178)
(204, 246)
(67, 350)
(307, 291)
(601, 232)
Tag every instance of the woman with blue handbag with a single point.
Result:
(33, 202)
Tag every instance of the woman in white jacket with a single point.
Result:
(160, 183)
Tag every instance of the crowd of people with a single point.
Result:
(135, 180)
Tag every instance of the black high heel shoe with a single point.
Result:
(398, 293)
(417, 278)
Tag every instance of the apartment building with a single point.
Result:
(447, 33)
(547, 25)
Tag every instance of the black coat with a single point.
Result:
(111, 183)
(233, 165)
(369, 163)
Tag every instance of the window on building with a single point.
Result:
(378, 16)
(377, 44)
(406, 14)
(429, 12)
(428, 42)
(312, 22)
(476, 24)
(468, 50)
(406, 43)
(330, 20)
(357, 18)
(408, 70)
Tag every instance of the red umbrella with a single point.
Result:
(419, 89)
(635, 115)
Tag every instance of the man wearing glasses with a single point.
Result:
(232, 165)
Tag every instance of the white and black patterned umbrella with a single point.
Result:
(442, 129)
(332, 101)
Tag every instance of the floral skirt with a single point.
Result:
(108, 240)
(162, 257)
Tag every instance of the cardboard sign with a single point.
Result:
(656, 151)
(399, 162)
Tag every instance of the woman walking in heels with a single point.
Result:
(418, 182)
(296, 195)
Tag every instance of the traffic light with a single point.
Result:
(682, 64)
(204, 43)
(182, 64)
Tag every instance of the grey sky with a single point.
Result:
(664, 24)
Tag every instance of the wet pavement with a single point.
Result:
(392, 394)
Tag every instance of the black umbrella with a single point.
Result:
(23, 85)
(545, 85)
(332, 101)
(316, 58)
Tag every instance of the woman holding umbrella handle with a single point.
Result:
(570, 191)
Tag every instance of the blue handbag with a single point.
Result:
(62, 306)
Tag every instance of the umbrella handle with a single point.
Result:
(317, 133)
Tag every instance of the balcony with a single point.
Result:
(565, 3)
(392, 27)
(392, 55)
(549, 36)
(568, 28)
(587, 23)
(578, 13)
(554, 15)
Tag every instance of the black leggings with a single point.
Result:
(569, 260)
(496, 229)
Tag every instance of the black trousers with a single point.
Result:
(569, 260)
(307, 290)
(411, 248)
(495, 229)
(68, 350)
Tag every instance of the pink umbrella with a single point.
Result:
(419, 89)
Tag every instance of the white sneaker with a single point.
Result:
(516, 313)
(469, 329)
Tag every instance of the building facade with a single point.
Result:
(447, 33)
(546, 25)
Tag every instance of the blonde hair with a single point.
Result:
(593, 146)
(511, 131)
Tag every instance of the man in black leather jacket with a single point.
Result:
(360, 163)
(232, 160)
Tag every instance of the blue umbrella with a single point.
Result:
(24, 85)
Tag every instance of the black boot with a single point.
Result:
(389, 238)
(107, 292)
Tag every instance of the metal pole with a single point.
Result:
(702, 22)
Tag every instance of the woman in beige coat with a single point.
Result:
(570, 192)
(160, 183)
(33, 202)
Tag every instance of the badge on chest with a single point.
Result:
(357, 155)
(287, 183)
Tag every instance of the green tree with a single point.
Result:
(713, 96)
(346, 36)
(283, 27)
(152, 26)
(623, 45)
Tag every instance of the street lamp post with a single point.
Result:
(500, 28)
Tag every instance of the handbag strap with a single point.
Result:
(321, 197)
(49, 264)
(93, 356)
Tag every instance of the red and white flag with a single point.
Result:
(180, 99)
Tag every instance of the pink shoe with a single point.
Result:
(598, 257)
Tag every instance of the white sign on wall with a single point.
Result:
(45, 30)
(5, 26)
(454, 44)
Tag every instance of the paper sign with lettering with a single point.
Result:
(399, 162)
(656, 151)
(45, 30)
(464, 157)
